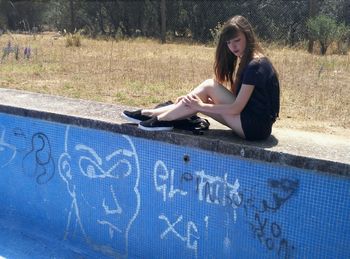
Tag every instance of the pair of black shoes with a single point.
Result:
(194, 123)
(147, 122)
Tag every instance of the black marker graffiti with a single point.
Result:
(21, 139)
(18, 132)
(270, 235)
(38, 162)
(268, 232)
(283, 191)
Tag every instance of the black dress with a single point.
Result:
(263, 106)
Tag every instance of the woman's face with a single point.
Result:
(237, 44)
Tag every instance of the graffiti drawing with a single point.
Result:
(38, 162)
(283, 190)
(269, 232)
(210, 189)
(7, 151)
(161, 175)
(115, 205)
(227, 240)
(190, 237)
(217, 190)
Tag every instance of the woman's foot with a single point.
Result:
(135, 116)
(154, 124)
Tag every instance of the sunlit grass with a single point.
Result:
(143, 72)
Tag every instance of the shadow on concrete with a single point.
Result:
(229, 136)
(225, 135)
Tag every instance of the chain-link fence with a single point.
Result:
(274, 20)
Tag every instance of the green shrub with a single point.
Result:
(215, 33)
(343, 39)
(325, 30)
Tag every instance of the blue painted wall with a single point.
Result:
(128, 197)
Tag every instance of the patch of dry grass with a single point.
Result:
(314, 88)
(141, 72)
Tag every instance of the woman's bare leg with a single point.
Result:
(158, 111)
(208, 91)
(180, 111)
(201, 91)
(212, 91)
(221, 95)
(233, 122)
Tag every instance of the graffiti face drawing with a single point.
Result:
(103, 184)
(7, 151)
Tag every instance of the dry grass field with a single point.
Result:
(142, 72)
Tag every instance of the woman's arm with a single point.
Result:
(235, 108)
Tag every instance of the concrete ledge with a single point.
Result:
(279, 148)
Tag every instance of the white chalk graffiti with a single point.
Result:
(111, 228)
(227, 241)
(191, 236)
(118, 209)
(217, 190)
(210, 189)
(111, 207)
(7, 151)
(206, 220)
(160, 166)
(213, 190)
(94, 168)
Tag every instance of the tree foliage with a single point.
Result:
(274, 20)
(326, 30)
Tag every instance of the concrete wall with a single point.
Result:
(115, 195)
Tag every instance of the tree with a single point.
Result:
(280, 21)
(3, 17)
(21, 15)
(163, 20)
(324, 29)
(72, 15)
(343, 34)
(312, 14)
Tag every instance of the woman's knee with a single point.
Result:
(209, 84)
(212, 91)
(205, 87)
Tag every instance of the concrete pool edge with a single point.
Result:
(106, 117)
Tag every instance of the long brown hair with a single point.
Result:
(225, 61)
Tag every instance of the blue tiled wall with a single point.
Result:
(128, 197)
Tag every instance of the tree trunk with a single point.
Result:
(324, 47)
(100, 18)
(312, 13)
(163, 21)
(72, 16)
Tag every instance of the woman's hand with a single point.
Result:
(192, 101)
(178, 99)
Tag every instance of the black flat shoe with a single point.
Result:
(154, 124)
(135, 116)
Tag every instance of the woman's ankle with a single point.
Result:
(146, 112)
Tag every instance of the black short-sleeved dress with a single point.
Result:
(263, 106)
